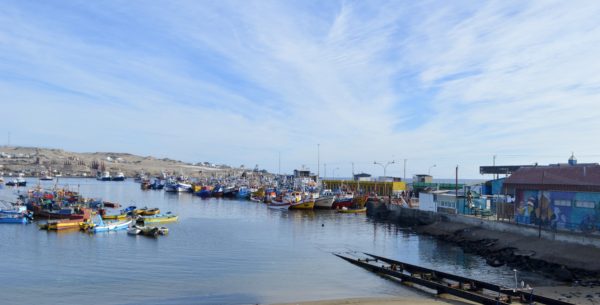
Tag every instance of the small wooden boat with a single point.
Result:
(112, 205)
(324, 202)
(167, 217)
(284, 206)
(146, 212)
(352, 210)
(101, 226)
(114, 217)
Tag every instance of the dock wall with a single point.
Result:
(414, 217)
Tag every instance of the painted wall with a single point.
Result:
(558, 210)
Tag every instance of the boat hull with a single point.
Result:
(324, 202)
(303, 205)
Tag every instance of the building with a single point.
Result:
(422, 178)
(362, 177)
(558, 196)
(301, 173)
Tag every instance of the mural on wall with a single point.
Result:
(558, 210)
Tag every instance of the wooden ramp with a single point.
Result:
(441, 282)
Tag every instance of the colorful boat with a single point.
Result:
(101, 226)
(305, 204)
(167, 217)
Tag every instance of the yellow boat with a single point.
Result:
(114, 217)
(158, 218)
(307, 204)
(62, 225)
(146, 211)
(352, 210)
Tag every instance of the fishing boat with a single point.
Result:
(243, 193)
(20, 181)
(46, 177)
(145, 184)
(205, 192)
(118, 177)
(103, 176)
(343, 200)
(12, 218)
(325, 200)
(157, 185)
(304, 204)
(101, 226)
(17, 214)
(229, 191)
(177, 187)
(167, 217)
(217, 191)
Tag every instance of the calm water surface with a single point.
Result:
(220, 252)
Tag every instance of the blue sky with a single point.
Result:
(237, 82)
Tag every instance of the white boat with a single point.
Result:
(46, 177)
(104, 176)
(118, 177)
(279, 206)
(175, 186)
(324, 202)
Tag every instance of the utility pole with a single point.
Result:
(494, 163)
(456, 187)
(318, 161)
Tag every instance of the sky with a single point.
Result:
(332, 83)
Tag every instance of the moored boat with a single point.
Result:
(118, 177)
(352, 210)
(304, 204)
(324, 202)
(103, 176)
(279, 205)
(101, 226)
(167, 217)
(151, 231)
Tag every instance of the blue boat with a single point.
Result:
(12, 218)
(157, 185)
(243, 193)
(101, 226)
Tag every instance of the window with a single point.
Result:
(585, 204)
(563, 203)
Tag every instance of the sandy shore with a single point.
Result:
(380, 301)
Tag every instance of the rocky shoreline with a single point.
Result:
(563, 261)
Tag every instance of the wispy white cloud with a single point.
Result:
(238, 82)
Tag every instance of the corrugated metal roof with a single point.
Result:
(573, 178)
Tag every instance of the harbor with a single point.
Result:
(217, 230)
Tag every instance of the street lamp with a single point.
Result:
(429, 171)
(334, 172)
(384, 165)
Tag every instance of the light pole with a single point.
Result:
(318, 161)
(384, 165)
(334, 172)
(429, 171)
